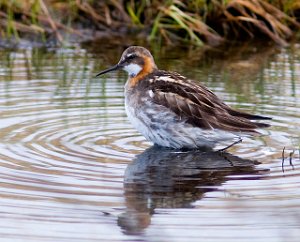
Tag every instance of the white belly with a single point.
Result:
(163, 128)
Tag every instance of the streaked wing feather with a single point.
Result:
(200, 107)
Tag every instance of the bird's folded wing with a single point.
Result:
(199, 107)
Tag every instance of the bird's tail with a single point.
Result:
(247, 115)
(262, 125)
(251, 117)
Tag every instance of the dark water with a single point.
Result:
(72, 168)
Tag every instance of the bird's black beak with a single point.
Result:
(113, 68)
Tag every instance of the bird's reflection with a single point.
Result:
(165, 178)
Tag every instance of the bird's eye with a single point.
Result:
(130, 57)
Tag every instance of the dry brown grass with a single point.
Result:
(259, 17)
(198, 21)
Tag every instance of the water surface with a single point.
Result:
(72, 168)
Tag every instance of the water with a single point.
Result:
(72, 168)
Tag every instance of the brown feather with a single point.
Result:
(198, 105)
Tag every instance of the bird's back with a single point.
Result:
(195, 103)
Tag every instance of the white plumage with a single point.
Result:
(162, 127)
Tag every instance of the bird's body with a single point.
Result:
(173, 111)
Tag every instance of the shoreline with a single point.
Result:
(207, 23)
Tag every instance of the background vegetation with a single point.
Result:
(199, 22)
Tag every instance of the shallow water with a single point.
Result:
(72, 168)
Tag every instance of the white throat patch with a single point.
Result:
(132, 69)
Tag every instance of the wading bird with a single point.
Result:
(173, 111)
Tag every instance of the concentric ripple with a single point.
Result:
(60, 144)
(69, 169)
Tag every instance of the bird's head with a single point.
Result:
(136, 60)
